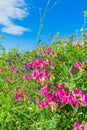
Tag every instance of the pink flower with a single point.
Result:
(47, 62)
(72, 70)
(45, 90)
(16, 89)
(26, 77)
(73, 101)
(78, 126)
(40, 104)
(41, 64)
(50, 98)
(70, 37)
(34, 74)
(48, 50)
(43, 75)
(58, 85)
(18, 95)
(78, 65)
(9, 78)
(77, 92)
(12, 68)
(84, 100)
(2, 69)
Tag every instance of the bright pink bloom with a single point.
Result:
(16, 89)
(58, 85)
(40, 104)
(77, 92)
(78, 126)
(72, 70)
(18, 96)
(34, 74)
(84, 100)
(78, 65)
(44, 75)
(44, 91)
(47, 50)
(26, 77)
(73, 101)
(9, 78)
(2, 69)
(50, 98)
(12, 68)
(47, 63)
(40, 64)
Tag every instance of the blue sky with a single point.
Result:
(20, 19)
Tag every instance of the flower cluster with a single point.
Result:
(19, 95)
(2, 69)
(40, 64)
(40, 76)
(76, 98)
(12, 68)
(78, 126)
(48, 50)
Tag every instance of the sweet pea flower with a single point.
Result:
(44, 90)
(12, 68)
(26, 77)
(48, 50)
(72, 70)
(78, 126)
(34, 74)
(77, 92)
(18, 96)
(78, 65)
(2, 69)
(9, 78)
(58, 85)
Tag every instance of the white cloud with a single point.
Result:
(14, 29)
(9, 11)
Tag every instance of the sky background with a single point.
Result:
(20, 20)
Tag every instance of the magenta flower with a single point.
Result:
(78, 65)
(59, 86)
(16, 89)
(40, 104)
(18, 96)
(43, 75)
(34, 74)
(44, 91)
(9, 78)
(77, 92)
(48, 50)
(12, 68)
(84, 100)
(78, 126)
(72, 70)
(26, 77)
(2, 69)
